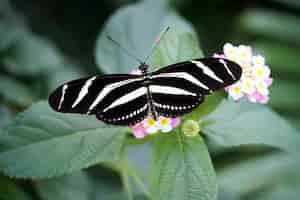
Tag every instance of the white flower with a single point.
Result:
(244, 53)
(255, 80)
(151, 125)
(262, 87)
(164, 124)
(230, 51)
(258, 60)
(248, 86)
(235, 91)
(261, 72)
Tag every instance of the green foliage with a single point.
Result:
(41, 143)
(15, 92)
(275, 52)
(175, 47)
(22, 58)
(234, 125)
(283, 88)
(77, 186)
(134, 34)
(182, 169)
(5, 116)
(9, 190)
(272, 24)
(276, 176)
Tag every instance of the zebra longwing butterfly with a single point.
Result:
(125, 99)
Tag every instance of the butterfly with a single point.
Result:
(126, 99)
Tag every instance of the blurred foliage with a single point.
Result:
(43, 43)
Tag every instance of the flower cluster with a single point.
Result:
(150, 126)
(255, 81)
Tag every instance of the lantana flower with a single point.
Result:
(150, 126)
(255, 81)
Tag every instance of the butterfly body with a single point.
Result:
(126, 99)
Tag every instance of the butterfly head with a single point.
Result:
(144, 68)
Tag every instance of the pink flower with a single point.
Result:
(256, 97)
(269, 81)
(138, 130)
(175, 122)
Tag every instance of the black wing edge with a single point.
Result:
(73, 88)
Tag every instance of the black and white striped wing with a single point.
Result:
(115, 99)
(177, 89)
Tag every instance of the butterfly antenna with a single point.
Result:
(124, 49)
(156, 43)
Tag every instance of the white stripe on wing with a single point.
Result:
(84, 91)
(207, 70)
(64, 89)
(107, 89)
(127, 98)
(183, 75)
(169, 90)
(227, 68)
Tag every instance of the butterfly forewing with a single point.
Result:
(94, 94)
(207, 74)
(181, 87)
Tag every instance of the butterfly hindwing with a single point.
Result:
(94, 94)
(130, 107)
(175, 105)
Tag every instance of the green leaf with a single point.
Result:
(235, 124)
(176, 47)
(10, 191)
(272, 24)
(76, 186)
(5, 116)
(43, 143)
(15, 92)
(290, 3)
(264, 172)
(32, 55)
(284, 96)
(135, 27)
(182, 169)
(11, 25)
(66, 73)
(277, 55)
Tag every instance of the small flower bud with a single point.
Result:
(190, 128)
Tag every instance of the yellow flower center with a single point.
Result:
(150, 122)
(248, 85)
(260, 72)
(237, 90)
(164, 121)
(261, 85)
(244, 54)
